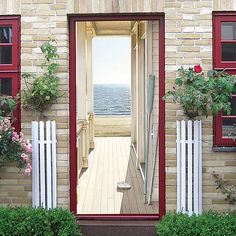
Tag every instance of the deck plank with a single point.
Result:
(110, 162)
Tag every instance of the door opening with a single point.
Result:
(118, 176)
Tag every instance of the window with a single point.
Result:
(224, 57)
(10, 59)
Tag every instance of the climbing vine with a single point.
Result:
(228, 190)
(44, 90)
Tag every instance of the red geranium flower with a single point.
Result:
(197, 68)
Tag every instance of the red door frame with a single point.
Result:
(73, 154)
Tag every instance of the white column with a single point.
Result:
(133, 91)
(141, 100)
(89, 74)
(81, 87)
(81, 78)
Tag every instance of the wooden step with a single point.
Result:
(117, 228)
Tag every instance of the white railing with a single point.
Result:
(44, 181)
(189, 166)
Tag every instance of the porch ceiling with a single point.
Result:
(101, 28)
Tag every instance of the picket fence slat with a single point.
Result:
(200, 166)
(54, 166)
(190, 171)
(189, 167)
(44, 164)
(35, 164)
(183, 166)
(178, 168)
(196, 163)
(49, 165)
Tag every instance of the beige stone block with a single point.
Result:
(63, 195)
(58, 6)
(25, 2)
(5, 201)
(63, 175)
(188, 10)
(63, 181)
(188, 49)
(172, 4)
(17, 194)
(173, 16)
(21, 200)
(40, 37)
(188, 36)
(43, 1)
(63, 201)
(199, 4)
(187, 23)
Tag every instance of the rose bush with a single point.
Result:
(14, 147)
(200, 94)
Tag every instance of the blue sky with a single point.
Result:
(111, 60)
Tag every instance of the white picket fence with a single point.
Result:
(189, 167)
(44, 181)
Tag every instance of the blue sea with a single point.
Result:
(112, 99)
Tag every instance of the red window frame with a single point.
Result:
(12, 70)
(219, 64)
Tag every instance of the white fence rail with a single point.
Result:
(189, 166)
(44, 181)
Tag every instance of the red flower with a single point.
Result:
(197, 68)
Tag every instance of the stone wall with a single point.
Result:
(189, 42)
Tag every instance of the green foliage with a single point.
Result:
(37, 221)
(199, 95)
(210, 223)
(44, 89)
(7, 106)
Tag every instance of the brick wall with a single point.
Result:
(41, 19)
(189, 42)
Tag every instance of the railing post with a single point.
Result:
(91, 130)
(84, 144)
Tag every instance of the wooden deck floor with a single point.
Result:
(110, 162)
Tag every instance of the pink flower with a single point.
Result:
(24, 157)
(27, 147)
(27, 172)
(29, 165)
(15, 136)
(7, 121)
(197, 68)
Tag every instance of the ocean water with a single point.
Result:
(112, 99)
